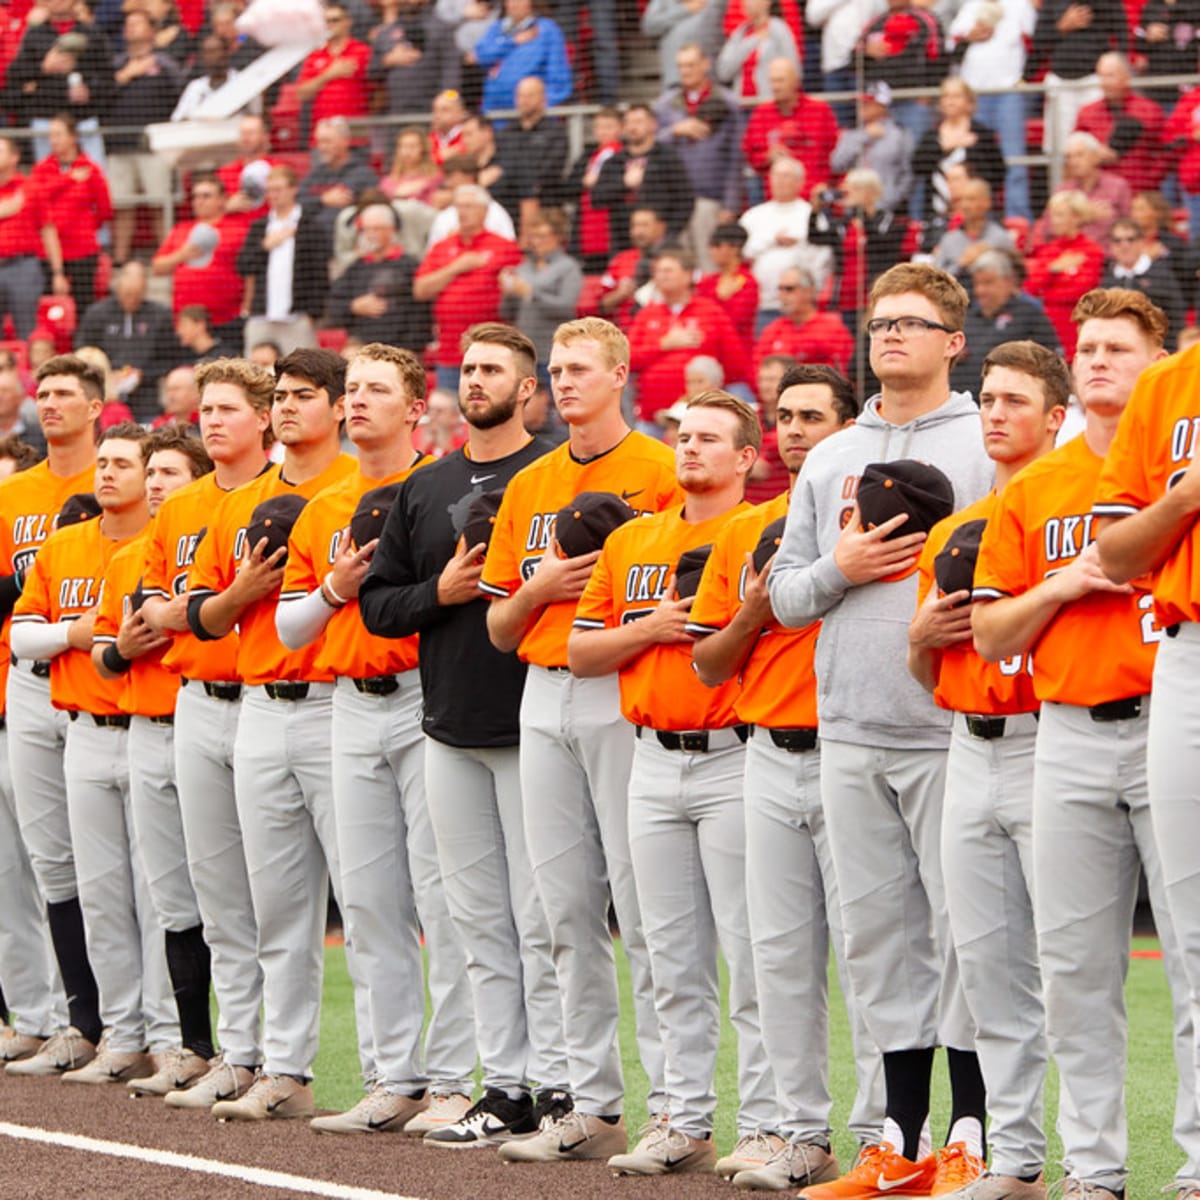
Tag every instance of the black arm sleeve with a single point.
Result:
(193, 617)
(392, 601)
(10, 589)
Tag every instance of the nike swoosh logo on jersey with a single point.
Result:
(481, 478)
(890, 1185)
(630, 495)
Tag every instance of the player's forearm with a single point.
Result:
(508, 621)
(719, 656)
(214, 616)
(593, 652)
(924, 665)
(1135, 545)
(302, 619)
(805, 592)
(1013, 624)
(391, 609)
(39, 639)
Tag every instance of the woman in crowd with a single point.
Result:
(413, 174)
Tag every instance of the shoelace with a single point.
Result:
(797, 1154)
(757, 1145)
(571, 1123)
(1081, 1190)
(957, 1165)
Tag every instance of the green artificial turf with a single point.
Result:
(1153, 1156)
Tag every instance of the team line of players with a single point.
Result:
(204, 732)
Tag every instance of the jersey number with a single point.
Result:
(1150, 632)
(1016, 664)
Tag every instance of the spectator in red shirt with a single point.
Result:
(790, 125)
(769, 475)
(461, 275)
(1128, 125)
(629, 270)
(21, 278)
(333, 80)
(732, 285)
(590, 242)
(666, 335)
(804, 333)
(201, 256)
(72, 202)
(446, 117)
(1064, 268)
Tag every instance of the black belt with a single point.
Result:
(168, 719)
(986, 728)
(559, 670)
(693, 741)
(3, 722)
(794, 740)
(1117, 710)
(219, 691)
(286, 690)
(39, 667)
(377, 685)
(104, 720)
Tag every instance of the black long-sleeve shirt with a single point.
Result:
(472, 692)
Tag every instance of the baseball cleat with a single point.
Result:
(269, 1098)
(795, 1165)
(551, 1104)
(1002, 1187)
(1080, 1189)
(222, 1081)
(14, 1045)
(879, 1171)
(174, 1070)
(493, 1119)
(573, 1136)
(111, 1066)
(444, 1109)
(665, 1151)
(63, 1052)
(752, 1150)
(377, 1112)
(956, 1167)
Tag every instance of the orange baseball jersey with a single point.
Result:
(149, 688)
(966, 682)
(659, 688)
(29, 504)
(62, 585)
(171, 541)
(778, 686)
(638, 469)
(1041, 523)
(1155, 442)
(262, 657)
(345, 648)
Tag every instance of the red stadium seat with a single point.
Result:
(57, 314)
(912, 239)
(588, 304)
(331, 339)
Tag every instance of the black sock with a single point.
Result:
(189, 964)
(3, 1007)
(70, 950)
(968, 1096)
(906, 1075)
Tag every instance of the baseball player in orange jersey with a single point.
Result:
(69, 396)
(32, 999)
(576, 749)
(125, 648)
(883, 741)
(391, 888)
(235, 427)
(54, 619)
(1045, 594)
(423, 579)
(1145, 507)
(791, 891)
(987, 853)
(686, 826)
(283, 748)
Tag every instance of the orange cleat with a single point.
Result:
(879, 1171)
(956, 1167)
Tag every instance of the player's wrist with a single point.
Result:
(330, 594)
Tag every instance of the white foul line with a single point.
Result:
(203, 1166)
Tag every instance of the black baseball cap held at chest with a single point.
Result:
(273, 519)
(918, 489)
(581, 526)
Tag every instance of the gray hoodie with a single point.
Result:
(865, 694)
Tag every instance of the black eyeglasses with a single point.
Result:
(908, 326)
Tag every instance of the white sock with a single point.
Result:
(969, 1131)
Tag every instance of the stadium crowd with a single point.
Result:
(758, 732)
